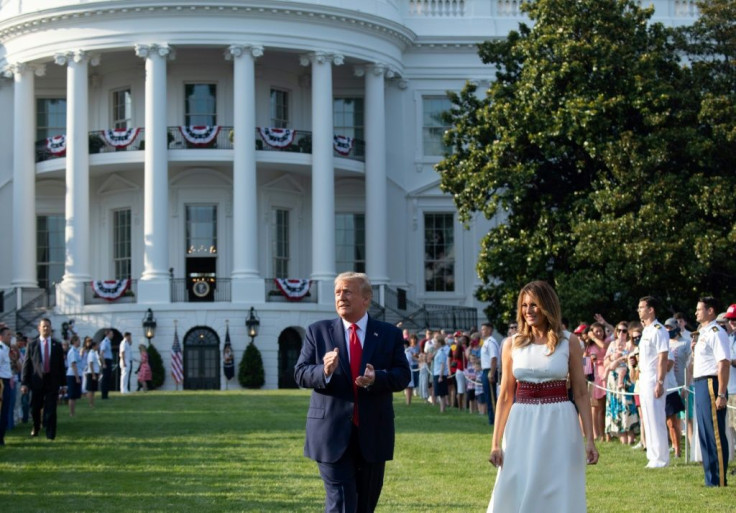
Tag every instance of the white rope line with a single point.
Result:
(690, 389)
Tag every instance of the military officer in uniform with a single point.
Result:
(711, 361)
(654, 348)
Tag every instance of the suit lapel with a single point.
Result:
(37, 359)
(338, 341)
(370, 343)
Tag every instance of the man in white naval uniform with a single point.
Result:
(653, 353)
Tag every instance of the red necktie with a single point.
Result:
(46, 362)
(356, 354)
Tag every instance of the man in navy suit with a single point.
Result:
(350, 423)
(44, 374)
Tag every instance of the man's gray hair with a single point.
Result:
(365, 283)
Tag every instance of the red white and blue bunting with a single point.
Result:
(277, 137)
(343, 144)
(57, 145)
(199, 135)
(294, 290)
(120, 137)
(110, 290)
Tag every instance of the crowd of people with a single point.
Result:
(642, 375)
(640, 394)
(455, 369)
(40, 372)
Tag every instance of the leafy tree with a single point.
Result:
(157, 366)
(591, 144)
(250, 370)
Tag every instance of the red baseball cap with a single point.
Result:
(580, 329)
(731, 312)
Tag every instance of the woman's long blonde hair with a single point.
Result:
(549, 305)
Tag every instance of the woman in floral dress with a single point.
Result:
(622, 419)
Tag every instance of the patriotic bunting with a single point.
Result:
(120, 137)
(199, 135)
(343, 144)
(110, 290)
(277, 137)
(57, 145)
(294, 290)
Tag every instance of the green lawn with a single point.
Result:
(242, 451)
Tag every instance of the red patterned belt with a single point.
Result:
(541, 393)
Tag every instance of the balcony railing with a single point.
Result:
(91, 298)
(302, 143)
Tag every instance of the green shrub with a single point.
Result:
(250, 370)
(157, 366)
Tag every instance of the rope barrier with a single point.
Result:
(690, 389)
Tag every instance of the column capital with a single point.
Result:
(17, 68)
(321, 58)
(76, 56)
(149, 50)
(235, 51)
(376, 69)
(480, 81)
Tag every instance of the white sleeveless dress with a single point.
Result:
(544, 457)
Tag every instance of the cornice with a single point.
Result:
(63, 17)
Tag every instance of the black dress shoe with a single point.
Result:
(34, 433)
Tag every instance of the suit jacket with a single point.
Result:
(33, 376)
(329, 419)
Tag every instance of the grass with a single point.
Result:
(242, 451)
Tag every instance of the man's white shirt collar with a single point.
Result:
(362, 325)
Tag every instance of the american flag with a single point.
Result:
(176, 360)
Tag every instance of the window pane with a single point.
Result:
(433, 127)
(50, 117)
(439, 253)
(281, 244)
(201, 229)
(200, 104)
(348, 119)
(121, 243)
(122, 109)
(50, 247)
(350, 242)
(279, 108)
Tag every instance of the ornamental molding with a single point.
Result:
(61, 17)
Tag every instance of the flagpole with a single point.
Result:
(176, 381)
(227, 332)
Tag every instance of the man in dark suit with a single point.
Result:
(354, 364)
(43, 374)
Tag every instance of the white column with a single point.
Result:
(247, 284)
(24, 177)
(323, 173)
(76, 207)
(376, 226)
(153, 286)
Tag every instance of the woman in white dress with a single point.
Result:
(537, 445)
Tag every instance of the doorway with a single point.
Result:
(290, 345)
(201, 359)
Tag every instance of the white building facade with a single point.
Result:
(182, 156)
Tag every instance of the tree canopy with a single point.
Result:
(606, 142)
